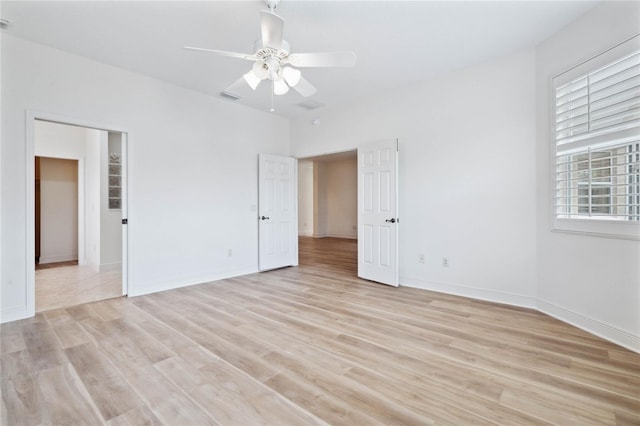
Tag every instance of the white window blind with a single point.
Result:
(597, 138)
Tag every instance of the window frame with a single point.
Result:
(600, 227)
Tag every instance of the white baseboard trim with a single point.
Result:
(149, 288)
(600, 329)
(305, 234)
(107, 267)
(58, 258)
(13, 314)
(474, 293)
(349, 237)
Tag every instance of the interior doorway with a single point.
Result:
(328, 211)
(56, 202)
(79, 249)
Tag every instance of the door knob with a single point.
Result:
(264, 218)
(392, 220)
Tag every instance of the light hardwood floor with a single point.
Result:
(310, 345)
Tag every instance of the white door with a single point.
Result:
(277, 212)
(125, 213)
(378, 212)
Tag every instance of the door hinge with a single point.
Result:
(125, 221)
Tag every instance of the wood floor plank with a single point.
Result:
(178, 409)
(141, 416)
(110, 392)
(42, 346)
(355, 394)
(11, 339)
(316, 400)
(21, 396)
(554, 411)
(230, 392)
(311, 344)
(220, 347)
(65, 400)
(187, 349)
(66, 329)
(4, 413)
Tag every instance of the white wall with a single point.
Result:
(342, 198)
(58, 141)
(467, 178)
(59, 210)
(328, 198)
(319, 199)
(305, 198)
(192, 167)
(110, 219)
(95, 141)
(592, 282)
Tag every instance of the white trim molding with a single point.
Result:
(471, 292)
(67, 257)
(30, 118)
(155, 287)
(13, 314)
(598, 328)
(347, 237)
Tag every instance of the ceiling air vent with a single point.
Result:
(310, 104)
(229, 95)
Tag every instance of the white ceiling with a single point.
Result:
(397, 42)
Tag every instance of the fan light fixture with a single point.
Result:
(251, 79)
(273, 61)
(291, 76)
(280, 87)
(282, 77)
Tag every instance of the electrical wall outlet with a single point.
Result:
(421, 258)
(229, 253)
(445, 262)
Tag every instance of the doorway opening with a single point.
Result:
(328, 211)
(79, 202)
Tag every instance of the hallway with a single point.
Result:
(66, 286)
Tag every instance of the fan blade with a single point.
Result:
(305, 88)
(272, 30)
(239, 88)
(248, 57)
(323, 59)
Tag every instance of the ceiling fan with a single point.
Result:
(272, 59)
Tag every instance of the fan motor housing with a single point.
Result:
(264, 52)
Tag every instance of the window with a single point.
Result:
(115, 176)
(594, 195)
(596, 140)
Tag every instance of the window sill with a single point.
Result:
(598, 228)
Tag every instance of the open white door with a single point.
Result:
(277, 212)
(125, 212)
(378, 212)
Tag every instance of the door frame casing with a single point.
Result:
(30, 118)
